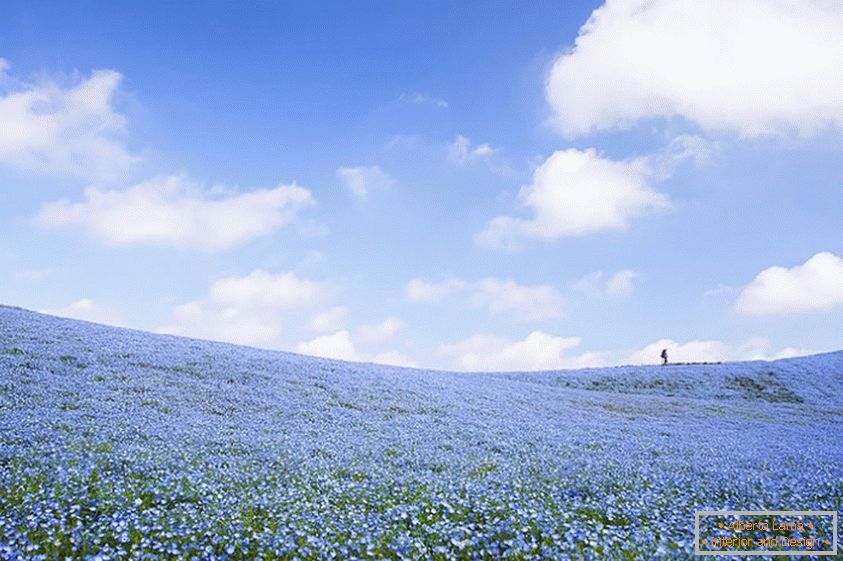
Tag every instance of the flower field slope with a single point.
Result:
(119, 444)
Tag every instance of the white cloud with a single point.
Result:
(337, 345)
(461, 151)
(756, 348)
(419, 290)
(418, 98)
(760, 348)
(683, 148)
(394, 358)
(528, 303)
(312, 258)
(692, 351)
(59, 130)
(175, 211)
(719, 290)
(329, 320)
(577, 192)
(753, 68)
(619, 284)
(341, 345)
(87, 310)
(248, 310)
(538, 351)
(815, 285)
(380, 332)
(360, 181)
(36, 274)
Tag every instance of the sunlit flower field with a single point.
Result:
(117, 444)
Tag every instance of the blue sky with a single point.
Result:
(472, 186)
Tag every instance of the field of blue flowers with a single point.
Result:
(117, 444)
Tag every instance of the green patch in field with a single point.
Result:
(71, 360)
(594, 515)
(763, 386)
(483, 470)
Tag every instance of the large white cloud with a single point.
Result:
(87, 310)
(815, 285)
(537, 351)
(360, 181)
(175, 211)
(576, 192)
(749, 67)
(71, 130)
(249, 310)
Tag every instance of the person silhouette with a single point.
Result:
(664, 357)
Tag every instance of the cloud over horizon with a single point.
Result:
(247, 310)
(755, 348)
(88, 310)
(537, 351)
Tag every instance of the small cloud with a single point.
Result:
(719, 289)
(403, 141)
(418, 98)
(37, 273)
(329, 320)
(360, 181)
(527, 303)
(379, 333)
(815, 285)
(87, 310)
(312, 258)
(462, 152)
(394, 358)
(683, 148)
(619, 284)
(419, 290)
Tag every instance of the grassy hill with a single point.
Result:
(119, 444)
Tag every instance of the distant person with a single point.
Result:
(664, 357)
